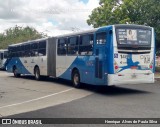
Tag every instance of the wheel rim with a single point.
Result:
(37, 74)
(15, 72)
(76, 79)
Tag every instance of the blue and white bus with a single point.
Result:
(110, 55)
(3, 58)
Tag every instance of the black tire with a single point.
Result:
(37, 73)
(76, 79)
(15, 72)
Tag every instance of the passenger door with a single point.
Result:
(100, 55)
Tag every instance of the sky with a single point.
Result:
(53, 17)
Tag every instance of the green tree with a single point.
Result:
(18, 34)
(132, 11)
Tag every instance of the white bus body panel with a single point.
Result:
(30, 62)
(115, 79)
(63, 63)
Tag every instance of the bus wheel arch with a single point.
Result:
(75, 76)
(37, 73)
(15, 71)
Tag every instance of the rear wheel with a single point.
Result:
(37, 73)
(76, 79)
(15, 72)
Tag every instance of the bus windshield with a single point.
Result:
(130, 37)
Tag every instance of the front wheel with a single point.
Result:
(37, 73)
(76, 79)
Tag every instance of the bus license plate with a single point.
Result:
(134, 76)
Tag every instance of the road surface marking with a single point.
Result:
(36, 99)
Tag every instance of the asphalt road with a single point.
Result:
(26, 98)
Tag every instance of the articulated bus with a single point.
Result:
(110, 55)
(3, 58)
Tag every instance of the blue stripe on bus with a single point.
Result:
(86, 69)
(17, 62)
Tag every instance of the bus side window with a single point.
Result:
(86, 45)
(101, 38)
(15, 51)
(5, 54)
(73, 45)
(42, 48)
(34, 49)
(27, 50)
(1, 56)
(62, 46)
(10, 52)
(22, 51)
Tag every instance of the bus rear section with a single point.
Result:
(3, 58)
(134, 49)
(28, 58)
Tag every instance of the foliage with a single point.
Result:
(18, 34)
(142, 12)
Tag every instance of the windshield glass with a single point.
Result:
(130, 36)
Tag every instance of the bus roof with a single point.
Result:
(30, 41)
(77, 33)
(93, 30)
(2, 50)
(117, 25)
(82, 32)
